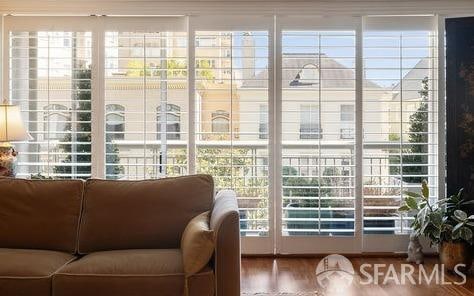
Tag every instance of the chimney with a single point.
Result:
(248, 53)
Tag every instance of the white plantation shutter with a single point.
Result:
(400, 118)
(317, 165)
(50, 78)
(146, 74)
(319, 141)
(231, 93)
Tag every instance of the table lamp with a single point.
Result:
(11, 129)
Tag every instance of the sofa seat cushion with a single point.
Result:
(140, 272)
(29, 272)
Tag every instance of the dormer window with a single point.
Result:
(308, 75)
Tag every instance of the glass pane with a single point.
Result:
(145, 82)
(318, 84)
(400, 124)
(50, 79)
(232, 119)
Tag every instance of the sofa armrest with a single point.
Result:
(226, 225)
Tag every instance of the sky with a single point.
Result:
(387, 55)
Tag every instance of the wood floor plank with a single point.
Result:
(297, 276)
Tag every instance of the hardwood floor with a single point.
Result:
(297, 276)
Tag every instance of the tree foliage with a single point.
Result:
(415, 158)
(77, 141)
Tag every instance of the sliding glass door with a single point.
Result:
(231, 118)
(400, 112)
(317, 86)
(319, 124)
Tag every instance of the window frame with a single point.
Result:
(55, 111)
(172, 110)
(221, 119)
(311, 129)
(119, 110)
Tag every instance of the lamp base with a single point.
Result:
(7, 161)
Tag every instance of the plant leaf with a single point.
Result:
(423, 228)
(421, 216)
(460, 193)
(465, 233)
(468, 202)
(454, 198)
(470, 217)
(457, 227)
(404, 208)
(470, 224)
(461, 215)
(455, 235)
(413, 194)
(411, 202)
(437, 219)
(448, 228)
(425, 190)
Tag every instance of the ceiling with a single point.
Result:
(186, 7)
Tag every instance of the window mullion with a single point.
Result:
(191, 99)
(98, 157)
(3, 57)
(359, 135)
(276, 127)
(441, 168)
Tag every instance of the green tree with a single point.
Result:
(174, 69)
(415, 158)
(418, 139)
(236, 169)
(77, 141)
(205, 69)
(297, 186)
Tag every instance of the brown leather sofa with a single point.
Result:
(117, 238)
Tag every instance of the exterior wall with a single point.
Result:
(219, 97)
(246, 113)
(243, 104)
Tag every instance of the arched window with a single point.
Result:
(220, 122)
(308, 75)
(56, 119)
(173, 122)
(115, 121)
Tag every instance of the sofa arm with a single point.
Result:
(226, 225)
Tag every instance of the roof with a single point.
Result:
(412, 81)
(335, 74)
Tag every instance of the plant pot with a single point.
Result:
(454, 253)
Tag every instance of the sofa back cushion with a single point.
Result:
(149, 214)
(40, 214)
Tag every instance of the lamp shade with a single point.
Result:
(11, 124)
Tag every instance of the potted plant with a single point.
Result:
(444, 223)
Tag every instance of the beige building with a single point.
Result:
(231, 103)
